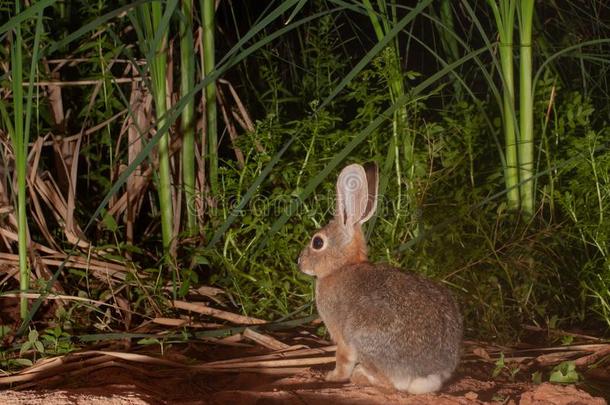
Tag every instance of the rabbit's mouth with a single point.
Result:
(303, 267)
(307, 271)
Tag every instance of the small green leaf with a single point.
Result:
(109, 222)
(148, 341)
(564, 373)
(4, 331)
(537, 377)
(23, 362)
(197, 259)
(25, 347)
(39, 346)
(553, 322)
(499, 366)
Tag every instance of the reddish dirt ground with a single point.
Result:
(120, 386)
(122, 382)
(119, 373)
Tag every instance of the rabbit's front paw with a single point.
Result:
(336, 376)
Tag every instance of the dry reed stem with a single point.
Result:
(550, 359)
(284, 354)
(593, 357)
(36, 207)
(311, 361)
(64, 297)
(559, 332)
(264, 340)
(61, 364)
(230, 127)
(52, 196)
(217, 313)
(88, 361)
(33, 245)
(137, 125)
(104, 271)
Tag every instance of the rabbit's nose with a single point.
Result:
(299, 260)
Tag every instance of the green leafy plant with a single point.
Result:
(501, 366)
(56, 341)
(564, 373)
(33, 343)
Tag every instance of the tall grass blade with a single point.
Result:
(19, 132)
(209, 60)
(155, 24)
(187, 82)
(25, 15)
(504, 14)
(526, 108)
(93, 25)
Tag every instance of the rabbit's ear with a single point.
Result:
(372, 180)
(352, 195)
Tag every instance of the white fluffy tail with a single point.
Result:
(420, 385)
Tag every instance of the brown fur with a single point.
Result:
(396, 329)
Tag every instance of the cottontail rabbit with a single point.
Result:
(393, 329)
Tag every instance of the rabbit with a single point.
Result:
(393, 329)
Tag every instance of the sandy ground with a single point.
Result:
(127, 385)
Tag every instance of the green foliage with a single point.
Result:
(505, 272)
(565, 373)
(442, 212)
(537, 377)
(57, 341)
(502, 367)
(33, 343)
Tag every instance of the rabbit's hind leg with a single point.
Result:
(368, 374)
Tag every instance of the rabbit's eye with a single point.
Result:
(317, 242)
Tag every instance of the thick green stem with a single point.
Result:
(208, 11)
(510, 138)
(19, 133)
(187, 82)
(158, 68)
(21, 164)
(19, 141)
(505, 18)
(22, 231)
(526, 109)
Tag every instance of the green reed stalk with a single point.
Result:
(209, 60)
(20, 142)
(449, 41)
(19, 133)
(156, 26)
(526, 108)
(159, 81)
(187, 82)
(505, 19)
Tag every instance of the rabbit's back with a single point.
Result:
(407, 325)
